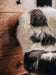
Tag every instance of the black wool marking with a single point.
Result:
(37, 18)
(47, 39)
(35, 39)
(28, 62)
(30, 59)
(46, 67)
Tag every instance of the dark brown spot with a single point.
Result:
(37, 18)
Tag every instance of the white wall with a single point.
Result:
(54, 3)
(26, 4)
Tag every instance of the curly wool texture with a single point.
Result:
(36, 33)
(25, 30)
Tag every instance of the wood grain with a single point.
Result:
(11, 55)
(7, 38)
